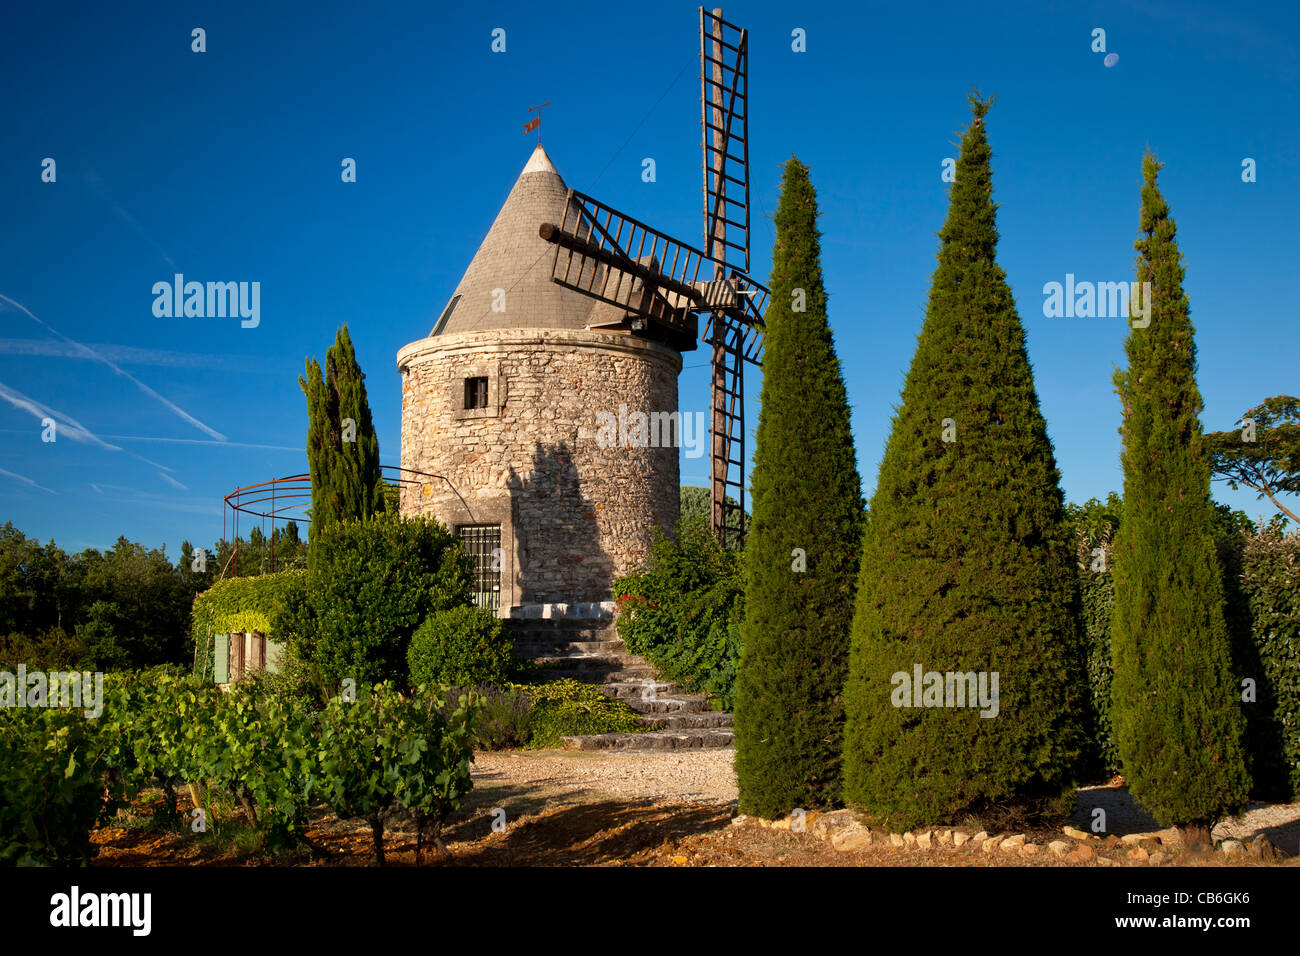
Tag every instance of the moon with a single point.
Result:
(1111, 59)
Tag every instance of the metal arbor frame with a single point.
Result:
(289, 499)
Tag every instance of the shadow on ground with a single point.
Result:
(582, 834)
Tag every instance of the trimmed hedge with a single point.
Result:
(460, 646)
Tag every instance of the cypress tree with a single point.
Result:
(968, 563)
(801, 552)
(1175, 710)
(342, 458)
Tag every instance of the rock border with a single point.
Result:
(845, 833)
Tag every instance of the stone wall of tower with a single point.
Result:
(573, 514)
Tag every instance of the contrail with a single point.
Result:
(200, 441)
(97, 184)
(69, 426)
(91, 353)
(27, 480)
(126, 354)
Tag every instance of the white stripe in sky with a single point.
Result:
(27, 480)
(130, 355)
(200, 441)
(91, 353)
(68, 426)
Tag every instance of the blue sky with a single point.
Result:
(225, 166)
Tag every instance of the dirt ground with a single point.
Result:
(592, 808)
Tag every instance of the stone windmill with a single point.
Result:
(569, 311)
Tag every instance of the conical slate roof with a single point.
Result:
(513, 257)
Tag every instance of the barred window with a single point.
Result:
(483, 544)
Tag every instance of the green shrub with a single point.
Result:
(502, 716)
(804, 547)
(568, 708)
(369, 585)
(460, 646)
(385, 751)
(967, 560)
(260, 748)
(1270, 581)
(682, 611)
(52, 781)
(1094, 524)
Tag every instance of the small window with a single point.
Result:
(476, 392)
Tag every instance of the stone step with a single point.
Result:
(534, 649)
(653, 740)
(712, 719)
(563, 630)
(596, 675)
(635, 690)
(588, 660)
(666, 705)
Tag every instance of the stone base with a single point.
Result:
(578, 610)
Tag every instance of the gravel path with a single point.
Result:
(689, 776)
(707, 777)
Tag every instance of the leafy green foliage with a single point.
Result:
(696, 510)
(801, 555)
(1176, 713)
(1094, 524)
(386, 751)
(125, 607)
(260, 749)
(682, 610)
(967, 557)
(502, 716)
(346, 480)
(1259, 580)
(52, 778)
(369, 585)
(1270, 580)
(239, 605)
(567, 708)
(460, 646)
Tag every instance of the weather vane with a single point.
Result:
(536, 122)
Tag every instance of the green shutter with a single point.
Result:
(274, 652)
(221, 663)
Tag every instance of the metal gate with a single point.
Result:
(483, 544)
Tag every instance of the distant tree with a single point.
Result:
(1263, 452)
(801, 554)
(1176, 715)
(342, 447)
(697, 506)
(968, 561)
